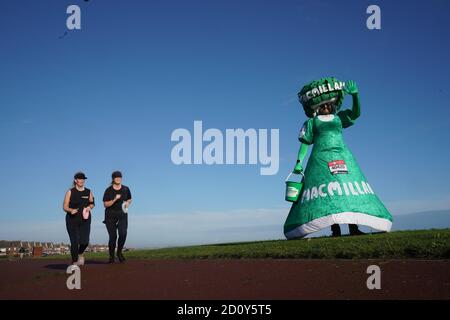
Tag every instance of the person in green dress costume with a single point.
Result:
(335, 191)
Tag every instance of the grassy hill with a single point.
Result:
(417, 244)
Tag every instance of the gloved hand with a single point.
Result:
(351, 87)
(298, 168)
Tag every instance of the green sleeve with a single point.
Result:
(302, 153)
(306, 132)
(349, 116)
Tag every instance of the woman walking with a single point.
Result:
(116, 199)
(78, 203)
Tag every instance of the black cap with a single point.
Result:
(79, 175)
(116, 174)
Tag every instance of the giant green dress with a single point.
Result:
(335, 190)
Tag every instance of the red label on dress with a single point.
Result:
(337, 166)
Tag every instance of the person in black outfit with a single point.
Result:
(75, 201)
(116, 199)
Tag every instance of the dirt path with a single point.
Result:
(226, 279)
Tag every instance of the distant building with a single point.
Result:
(97, 248)
(38, 251)
(10, 248)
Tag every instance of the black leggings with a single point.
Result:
(116, 223)
(79, 230)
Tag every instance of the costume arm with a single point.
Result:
(352, 89)
(301, 155)
(356, 107)
(348, 116)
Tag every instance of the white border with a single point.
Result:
(365, 219)
(326, 117)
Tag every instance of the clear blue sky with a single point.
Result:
(109, 95)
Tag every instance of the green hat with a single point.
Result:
(318, 92)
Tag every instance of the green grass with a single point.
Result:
(418, 244)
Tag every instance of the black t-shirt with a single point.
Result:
(110, 194)
(79, 199)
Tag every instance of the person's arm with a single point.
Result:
(91, 201)
(109, 203)
(127, 203)
(66, 204)
(129, 198)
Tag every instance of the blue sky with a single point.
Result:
(108, 97)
